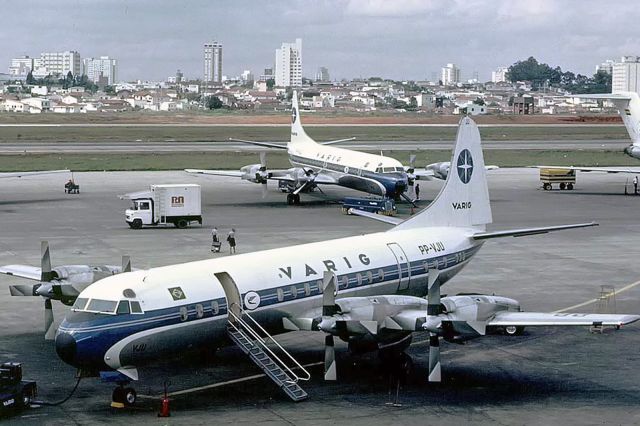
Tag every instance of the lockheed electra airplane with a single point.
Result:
(318, 164)
(368, 290)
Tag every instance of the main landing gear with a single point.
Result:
(293, 199)
(123, 396)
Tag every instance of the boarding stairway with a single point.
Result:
(245, 332)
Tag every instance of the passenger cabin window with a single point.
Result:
(280, 294)
(123, 307)
(215, 308)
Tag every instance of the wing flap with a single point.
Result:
(560, 319)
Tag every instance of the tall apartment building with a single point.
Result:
(323, 74)
(21, 66)
(289, 64)
(450, 75)
(626, 75)
(213, 62)
(60, 62)
(102, 70)
(499, 75)
(606, 66)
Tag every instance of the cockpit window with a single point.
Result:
(80, 303)
(123, 307)
(135, 307)
(102, 306)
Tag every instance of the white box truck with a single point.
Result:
(179, 204)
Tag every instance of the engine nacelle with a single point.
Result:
(632, 151)
(255, 173)
(440, 170)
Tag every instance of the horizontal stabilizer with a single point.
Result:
(265, 144)
(529, 231)
(530, 319)
(337, 141)
(379, 217)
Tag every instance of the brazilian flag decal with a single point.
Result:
(177, 293)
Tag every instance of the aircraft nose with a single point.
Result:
(66, 347)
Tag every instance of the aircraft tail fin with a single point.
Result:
(463, 201)
(298, 135)
(628, 104)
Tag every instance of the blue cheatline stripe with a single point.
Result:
(269, 297)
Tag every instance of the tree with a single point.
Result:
(479, 101)
(530, 70)
(30, 79)
(270, 83)
(214, 102)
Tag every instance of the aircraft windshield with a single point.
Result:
(102, 306)
(80, 303)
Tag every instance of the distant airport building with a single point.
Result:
(499, 75)
(606, 66)
(323, 74)
(59, 63)
(626, 75)
(289, 64)
(20, 67)
(102, 71)
(213, 62)
(450, 75)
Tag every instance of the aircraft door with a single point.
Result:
(231, 292)
(404, 271)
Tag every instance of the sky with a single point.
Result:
(398, 39)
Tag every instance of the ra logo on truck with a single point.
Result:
(177, 201)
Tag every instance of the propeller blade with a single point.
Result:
(49, 329)
(412, 161)
(45, 262)
(265, 191)
(126, 264)
(24, 289)
(329, 294)
(330, 372)
(435, 374)
(433, 292)
(263, 159)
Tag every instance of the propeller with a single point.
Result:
(328, 310)
(263, 173)
(411, 177)
(434, 309)
(46, 275)
(126, 264)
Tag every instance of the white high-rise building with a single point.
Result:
(21, 66)
(606, 66)
(626, 75)
(60, 63)
(213, 62)
(99, 69)
(499, 75)
(450, 75)
(289, 64)
(323, 74)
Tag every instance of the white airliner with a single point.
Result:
(368, 290)
(628, 104)
(319, 164)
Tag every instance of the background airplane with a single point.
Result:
(317, 164)
(367, 290)
(63, 283)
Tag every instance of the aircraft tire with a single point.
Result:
(547, 187)
(296, 199)
(130, 396)
(569, 186)
(290, 199)
(513, 330)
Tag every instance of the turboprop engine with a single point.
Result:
(440, 170)
(255, 173)
(632, 151)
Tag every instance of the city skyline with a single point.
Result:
(408, 39)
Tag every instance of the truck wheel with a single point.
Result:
(569, 186)
(181, 224)
(136, 224)
(547, 187)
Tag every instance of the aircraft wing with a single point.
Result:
(21, 174)
(379, 217)
(231, 173)
(528, 231)
(22, 271)
(265, 144)
(590, 169)
(530, 319)
(424, 174)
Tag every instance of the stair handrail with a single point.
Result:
(306, 375)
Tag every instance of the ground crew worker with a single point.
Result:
(417, 192)
(635, 185)
(231, 239)
(214, 235)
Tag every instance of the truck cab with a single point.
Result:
(140, 214)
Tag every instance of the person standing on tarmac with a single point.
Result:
(417, 192)
(231, 239)
(635, 185)
(214, 235)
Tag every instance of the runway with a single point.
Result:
(139, 146)
(546, 376)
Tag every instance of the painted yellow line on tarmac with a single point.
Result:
(219, 384)
(589, 302)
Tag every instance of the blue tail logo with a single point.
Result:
(465, 166)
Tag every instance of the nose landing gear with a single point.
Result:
(123, 396)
